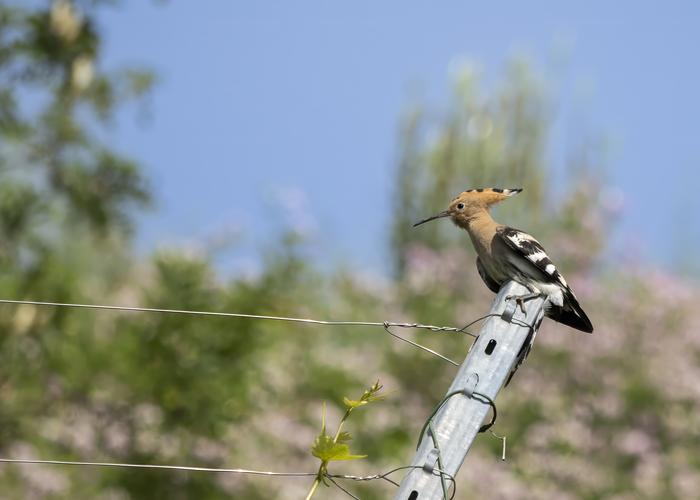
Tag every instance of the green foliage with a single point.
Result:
(51, 90)
(329, 449)
(332, 449)
(369, 396)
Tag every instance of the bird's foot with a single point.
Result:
(521, 299)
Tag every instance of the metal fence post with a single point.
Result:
(485, 370)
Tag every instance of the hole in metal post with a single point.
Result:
(413, 495)
(490, 346)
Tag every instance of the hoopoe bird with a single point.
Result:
(505, 253)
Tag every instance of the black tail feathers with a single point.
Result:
(571, 314)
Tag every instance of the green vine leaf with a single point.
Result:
(344, 437)
(369, 396)
(327, 449)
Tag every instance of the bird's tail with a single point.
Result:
(571, 314)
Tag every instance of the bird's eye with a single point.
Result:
(460, 206)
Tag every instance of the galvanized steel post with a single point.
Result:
(485, 370)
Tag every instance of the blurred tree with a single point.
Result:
(65, 202)
(484, 140)
(52, 91)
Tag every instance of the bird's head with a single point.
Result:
(470, 203)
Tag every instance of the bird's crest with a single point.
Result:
(487, 196)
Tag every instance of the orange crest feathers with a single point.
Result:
(487, 196)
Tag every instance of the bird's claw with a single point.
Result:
(518, 301)
(521, 299)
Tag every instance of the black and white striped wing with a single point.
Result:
(527, 247)
(532, 261)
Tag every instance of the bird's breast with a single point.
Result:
(492, 266)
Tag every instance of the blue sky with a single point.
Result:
(268, 110)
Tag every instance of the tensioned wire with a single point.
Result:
(384, 476)
(382, 324)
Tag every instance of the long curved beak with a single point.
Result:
(444, 213)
